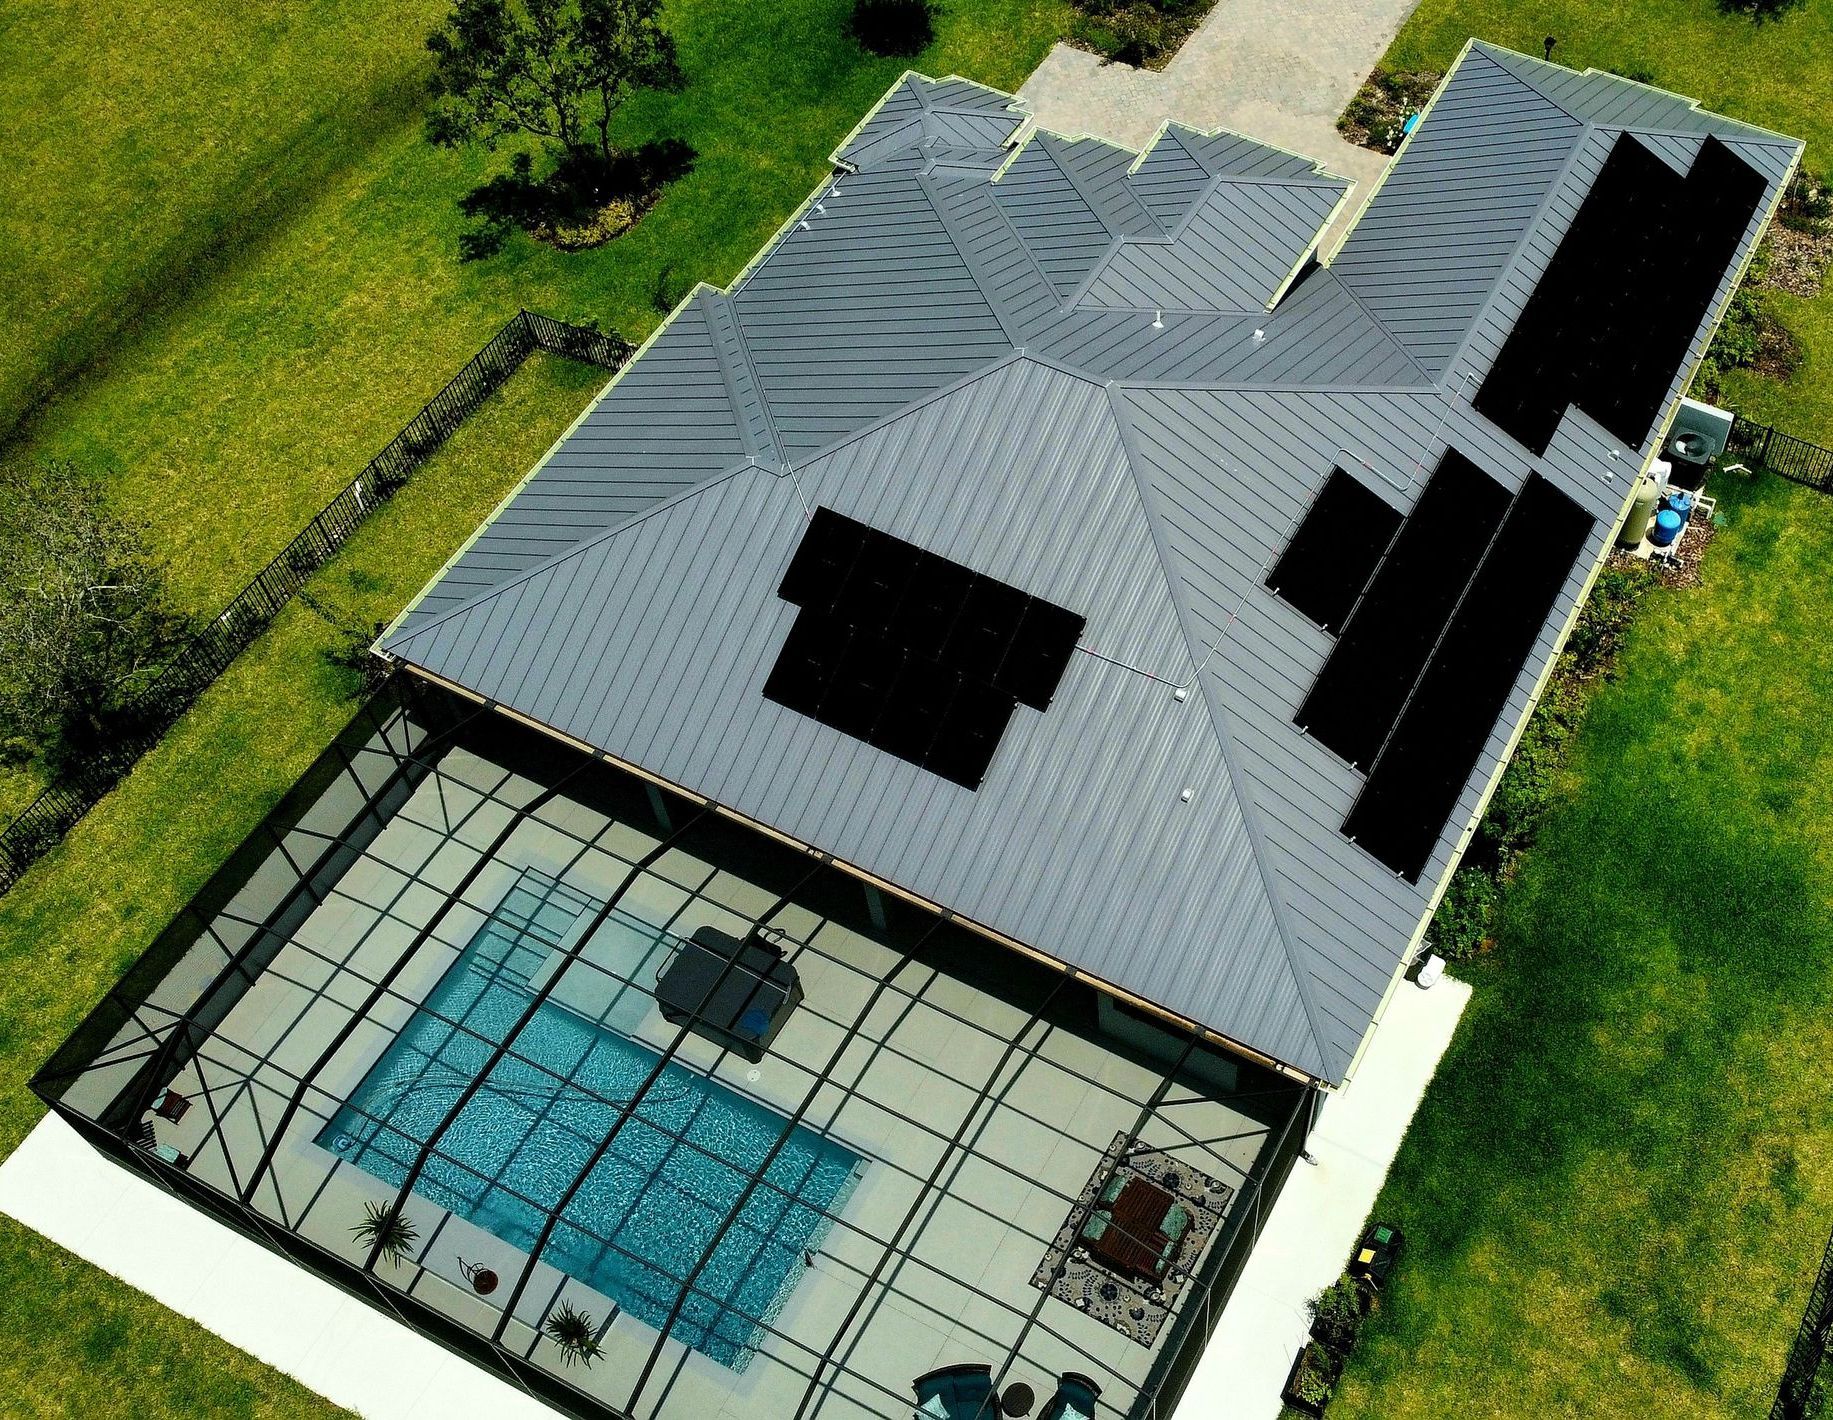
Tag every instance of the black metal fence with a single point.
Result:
(1807, 1380)
(207, 654)
(1794, 459)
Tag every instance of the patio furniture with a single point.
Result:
(735, 994)
(1017, 1401)
(962, 1392)
(172, 1106)
(175, 1157)
(1136, 1228)
(1074, 1399)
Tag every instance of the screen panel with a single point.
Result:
(1414, 786)
(1332, 555)
(910, 652)
(1358, 694)
(1610, 321)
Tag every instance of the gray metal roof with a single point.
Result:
(1054, 362)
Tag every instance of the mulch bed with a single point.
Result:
(1683, 571)
(1134, 1308)
(1373, 117)
(1144, 33)
(1797, 260)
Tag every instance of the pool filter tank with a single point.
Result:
(1635, 526)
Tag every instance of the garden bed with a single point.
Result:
(1375, 117)
(1144, 33)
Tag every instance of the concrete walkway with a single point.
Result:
(1319, 1215)
(1276, 70)
(269, 1306)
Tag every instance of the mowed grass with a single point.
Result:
(1619, 1186)
(90, 1345)
(259, 299)
(1773, 75)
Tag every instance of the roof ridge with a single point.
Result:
(1296, 953)
(1495, 54)
(788, 469)
(1374, 319)
(713, 301)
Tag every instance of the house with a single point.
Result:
(883, 836)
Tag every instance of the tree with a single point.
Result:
(84, 620)
(554, 69)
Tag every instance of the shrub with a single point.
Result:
(1137, 32)
(586, 199)
(1374, 116)
(1607, 615)
(1336, 1315)
(1758, 10)
(1317, 1374)
(888, 27)
(1463, 925)
(1808, 205)
(1750, 336)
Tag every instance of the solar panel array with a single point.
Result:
(912, 653)
(1414, 784)
(1428, 657)
(1364, 682)
(1613, 315)
(1331, 557)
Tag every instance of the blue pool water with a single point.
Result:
(648, 1209)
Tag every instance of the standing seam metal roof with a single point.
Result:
(1052, 361)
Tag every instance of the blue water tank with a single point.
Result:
(1667, 527)
(1681, 502)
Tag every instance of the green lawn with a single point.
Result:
(261, 297)
(1618, 1189)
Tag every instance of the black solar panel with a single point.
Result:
(914, 654)
(1358, 694)
(1333, 554)
(1612, 317)
(1415, 784)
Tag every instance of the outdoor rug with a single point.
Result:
(1133, 1307)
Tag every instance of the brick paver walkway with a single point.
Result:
(1277, 70)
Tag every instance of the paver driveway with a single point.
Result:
(1277, 70)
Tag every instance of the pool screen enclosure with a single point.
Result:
(430, 983)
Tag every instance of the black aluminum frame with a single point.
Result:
(415, 725)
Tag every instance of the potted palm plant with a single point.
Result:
(388, 1233)
(575, 1333)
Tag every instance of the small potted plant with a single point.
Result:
(1336, 1316)
(386, 1232)
(1312, 1380)
(575, 1333)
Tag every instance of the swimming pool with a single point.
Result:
(650, 1207)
